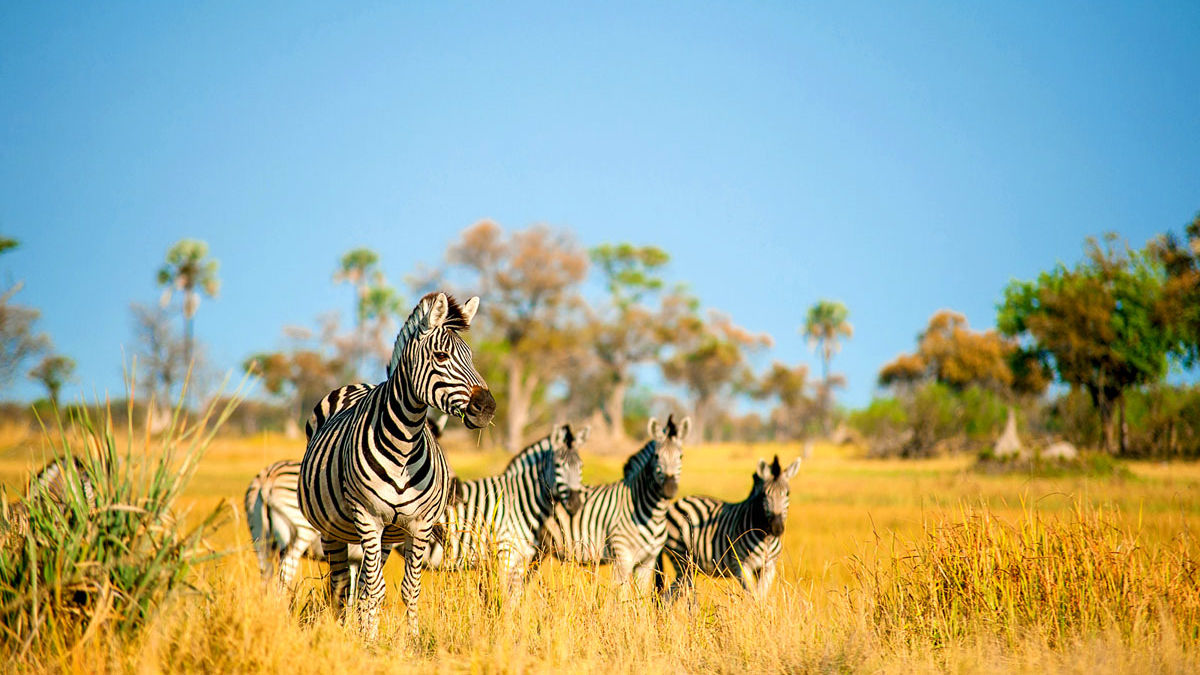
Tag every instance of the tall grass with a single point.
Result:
(1053, 579)
(74, 569)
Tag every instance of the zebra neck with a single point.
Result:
(648, 499)
(541, 495)
(400, 420)
(754, 520)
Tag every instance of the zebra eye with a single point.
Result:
(441, 357)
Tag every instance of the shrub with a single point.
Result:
(73, 570)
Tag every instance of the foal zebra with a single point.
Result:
(373, 475)
(624, 523)
(64, 482)
(279, 530)
(504, 514)
(723, 539)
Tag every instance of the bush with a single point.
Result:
(72, 569)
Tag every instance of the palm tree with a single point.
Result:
(824, 326)
(356, 267)
(189, 270)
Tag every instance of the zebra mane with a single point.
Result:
(528, 455)
(639, 460)
(455, 320)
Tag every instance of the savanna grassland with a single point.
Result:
(888, 565)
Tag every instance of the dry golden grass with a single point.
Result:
(823, 616)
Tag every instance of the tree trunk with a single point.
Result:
(615, 409)
(520, 394)
(1104, 406)
(1122, 448)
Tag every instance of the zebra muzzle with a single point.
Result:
(573, 501)
(776, 526)
(480, 409)
(670, 487)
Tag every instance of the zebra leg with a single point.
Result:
(766, 577)
(414, 564)
(685, 579)
(643, 575)
(371, 584)
(339, 574)
(749, 582)
(291, 556)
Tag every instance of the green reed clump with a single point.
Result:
(70, 568)
(1056, 578)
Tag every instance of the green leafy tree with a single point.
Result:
(53, 372)
(626, 333)
(298, 379)
(789, 386)
(1097, 325)
(189, 270)
(826, 325)
(1179, 306)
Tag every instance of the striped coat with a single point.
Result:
(624, 523)
(724, 539)
(373, 475)
(503, 515)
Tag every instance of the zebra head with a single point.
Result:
(440, 364)
(568, 467)
(771, 482)
(668, 459)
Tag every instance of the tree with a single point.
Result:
(825, 325)
(357, 268)
(950, 353)
(709, 358)
(299, 378)
(188, 269)
(159, 350)
(19, 341)
(380, 310)
(53, 372)
(1179, 308)
(788, 385)
(530, 279)
(1097, 325)
(626, 333)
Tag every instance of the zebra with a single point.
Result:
(504, 514)
(624, 523)
(723, 539)
(67, 485)
(372, 474)
(279, 530)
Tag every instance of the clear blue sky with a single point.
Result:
(899, 157)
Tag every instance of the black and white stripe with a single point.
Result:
(723, 539)
(278, 528)
(624, 523)
(503, 515)
(373, 475)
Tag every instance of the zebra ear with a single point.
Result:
(582, 436)
(437, 313)
(764, 470)
(652, 429)
(469, 309)
(790, 472)
(684, 427)
(558, 437)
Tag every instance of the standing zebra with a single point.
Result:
(723, 539)
(278, 528)
(505, 514)
(373, 475)
(624, 523)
